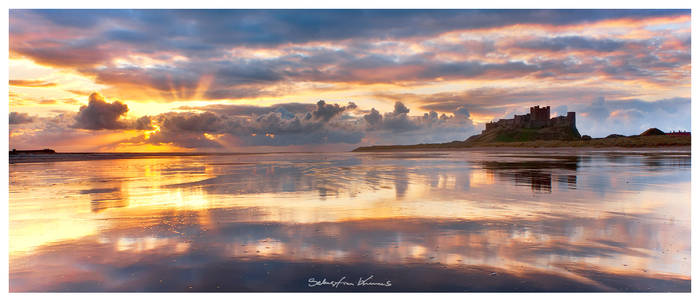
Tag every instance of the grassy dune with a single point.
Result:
(617, 142)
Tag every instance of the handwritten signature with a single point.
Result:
(345, 282)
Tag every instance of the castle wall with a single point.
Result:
(537, 118)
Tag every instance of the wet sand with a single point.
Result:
(478, 220)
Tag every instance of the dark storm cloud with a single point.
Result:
(20, 118)
(99, 114)
(102, 115)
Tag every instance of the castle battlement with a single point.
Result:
(539, 117)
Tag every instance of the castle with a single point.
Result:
(537, 118)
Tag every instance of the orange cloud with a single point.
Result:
(31, 83)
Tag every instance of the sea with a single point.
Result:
(480, 220)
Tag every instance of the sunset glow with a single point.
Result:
(251, 80)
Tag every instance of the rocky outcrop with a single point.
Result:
(526, 134)
(652, 131)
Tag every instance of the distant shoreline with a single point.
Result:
(624, 143)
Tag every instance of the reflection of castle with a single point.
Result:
(537, 174)
(537, 118)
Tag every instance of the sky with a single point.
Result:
(333, 80)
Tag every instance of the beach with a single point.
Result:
(477, 220)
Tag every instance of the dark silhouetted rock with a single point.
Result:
(652, 131)
(615, 136)
(586, 137)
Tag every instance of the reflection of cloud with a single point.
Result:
(155, 259)
(259, 220)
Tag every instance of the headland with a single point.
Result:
(538, 130)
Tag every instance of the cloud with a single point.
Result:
(185, 130)
(400, 108)
(572, 42)
(562, 58)
(227, 127)
(497, 101)
(461, 111)
(53, 132)
(273, 27)
(373, 119)
(248, 110)
(31, 83)
(102, 115)
(325, 112)
(631, 117)
(143, 123)
(596, 116)
(254, 53)
(99, 114)
(275, 128)
(20, 118)
(232, 126)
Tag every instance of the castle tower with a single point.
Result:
(539, 114)
(571, 118)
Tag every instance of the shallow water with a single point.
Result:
(544, 220)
